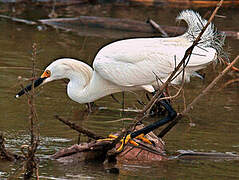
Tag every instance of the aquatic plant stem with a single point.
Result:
(31, 164)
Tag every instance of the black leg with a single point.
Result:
(171, 115)
(157, 109)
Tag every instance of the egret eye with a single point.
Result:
(48, 73)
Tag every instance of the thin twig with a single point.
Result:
(233, 67)
(157, 27)
(79, 128)
(204, 92)
(120, 120)
(229, 82)
(31, 162)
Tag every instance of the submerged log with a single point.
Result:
(125, 25)
(98, 151)
(109, 23)
(191, 155)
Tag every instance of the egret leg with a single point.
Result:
(157, 109)
(171, 115)
(123, 101)
(140, 133)
(90, 107)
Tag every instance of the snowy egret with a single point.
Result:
(133, 64)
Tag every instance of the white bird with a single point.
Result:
(133, 64)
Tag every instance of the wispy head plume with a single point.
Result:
(210, 38)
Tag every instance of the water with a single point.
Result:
(215, 117)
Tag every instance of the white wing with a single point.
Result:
(137, 62)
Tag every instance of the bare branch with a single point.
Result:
(204, 92)
(79, 128)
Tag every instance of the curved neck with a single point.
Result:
(90, 91)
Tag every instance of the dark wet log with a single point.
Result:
(143, 152)
(5, 154)
(98, 151)
(191, 155)
(127, 25)
(79, 128)
(185, 3)
(84, 152)
(109, 23)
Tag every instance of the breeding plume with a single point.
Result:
(134, 64)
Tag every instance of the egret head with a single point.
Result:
(58, 69)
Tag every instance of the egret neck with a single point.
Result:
(93, 88)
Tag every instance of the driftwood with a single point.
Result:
(102, 149)
(106, 23)
(191, 155)
(7, 155)
(73, 24)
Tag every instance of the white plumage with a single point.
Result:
(133, 64)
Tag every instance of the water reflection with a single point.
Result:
(215, 117)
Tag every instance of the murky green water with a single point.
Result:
(215, 117)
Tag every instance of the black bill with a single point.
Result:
(29, 87)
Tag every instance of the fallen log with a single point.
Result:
(127, 25)
(106, 23)
(102, 22)
(191, 155)
(101, 150)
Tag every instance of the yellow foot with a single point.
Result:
(111, 137)
(141, 137)
(126, 140)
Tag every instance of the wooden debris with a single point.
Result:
(7, 155)
(79, 128)
(100, 150)
(191, 155)
(127, 25)
(124, 25)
